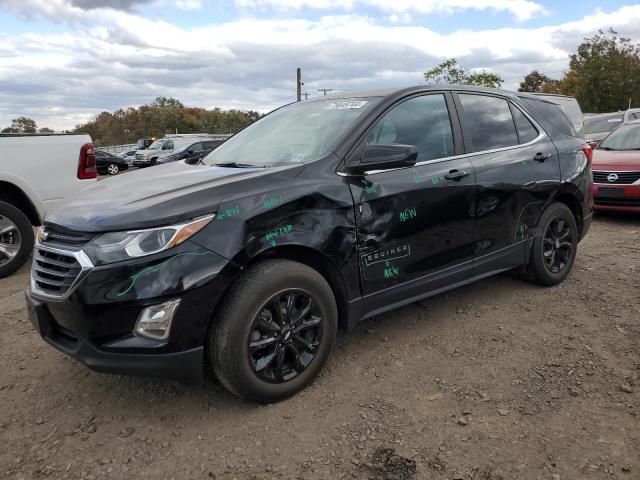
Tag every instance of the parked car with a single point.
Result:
(108, 164)
(570, 107)
(598, 126)
(317, 216)
(616, 170)
(36, 172)
(193, 153)
(129, 157)
(162, 148)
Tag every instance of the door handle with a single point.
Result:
(456, 174)
(541, 157)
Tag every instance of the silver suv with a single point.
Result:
(164, 147)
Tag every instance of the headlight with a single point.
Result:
(118, 246)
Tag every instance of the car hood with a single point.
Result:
(613, 160)
(152, 197)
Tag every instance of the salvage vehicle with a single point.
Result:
(616, 170)
(317, 216)
(36, 172)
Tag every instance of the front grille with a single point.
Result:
(58, 236)
(618, 202)
(54, 272)
(624, 178)
(140, 156)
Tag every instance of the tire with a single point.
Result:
(113, 169)
(551, 245)
(248, 316)
(16, 239)
(153, 162)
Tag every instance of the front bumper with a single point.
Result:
(95, 323)
(141, 163)
(616, 197)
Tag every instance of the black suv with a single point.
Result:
(317, 216)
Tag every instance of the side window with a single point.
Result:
(526, 131)
(421, 121)
(196, 147)
(489, 122)
(168, 145)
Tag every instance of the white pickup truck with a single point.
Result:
(36, 172)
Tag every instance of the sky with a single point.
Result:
(64, 61)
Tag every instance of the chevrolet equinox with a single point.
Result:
(317, 216)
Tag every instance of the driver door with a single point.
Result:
(415, 224)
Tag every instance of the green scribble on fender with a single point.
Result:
(437, 180)
(408, 214)
(273, 202)
(391, 272)
(387, 254)
(278, 232)
(228, 212)
(416, 176)
(369, 187)
(521, 231)
(153, 268)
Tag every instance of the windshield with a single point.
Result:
(602, 123)
(296, 133)
(627, 137)
(157, 145)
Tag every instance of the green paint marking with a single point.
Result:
(522, 230)
(228, 212)
(391, 272)
(408, 214)
(272, 202)
(152, 268)
(416, 176)
(387, 254)
(437, 180)
(369, 187)
(278, 232)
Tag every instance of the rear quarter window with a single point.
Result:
(553, 114)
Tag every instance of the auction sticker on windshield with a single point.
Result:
(345, 104)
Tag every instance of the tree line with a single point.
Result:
(603, 75)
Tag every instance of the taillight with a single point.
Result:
(588, 152)
(87, 162)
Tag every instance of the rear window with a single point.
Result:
(602, 123)
(553, 113)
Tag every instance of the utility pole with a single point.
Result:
(306, 96)
(299, 84)
(325, 90)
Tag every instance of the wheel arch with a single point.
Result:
(571, 200)
(320, 263)
(13, 195)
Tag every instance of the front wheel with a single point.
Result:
(16, 239)
(554, 248)
(274, 332)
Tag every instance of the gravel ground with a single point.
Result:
(496, 380)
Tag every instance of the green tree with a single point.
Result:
(604, 73)
(449, 72)
(21, 125)
(45, 130)
(538, 82)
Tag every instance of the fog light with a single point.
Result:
(155, 322)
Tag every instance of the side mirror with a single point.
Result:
(382, 157)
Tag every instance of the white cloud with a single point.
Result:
(521, 9)
(188, 4)
(117, 58)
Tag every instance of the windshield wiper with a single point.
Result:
(606, 148)
(237, 165)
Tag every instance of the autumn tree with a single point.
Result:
(537, 82)
(449, 72)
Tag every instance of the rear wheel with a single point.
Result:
(274, 332)
(554, 249)
(113, 169)
(16, 239)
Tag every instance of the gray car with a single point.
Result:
(597, 126)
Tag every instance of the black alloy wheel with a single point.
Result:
(284, 336)
(558, 245)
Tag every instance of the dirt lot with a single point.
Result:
(497, 380)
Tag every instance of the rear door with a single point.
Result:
(415, 225)
(517, 173)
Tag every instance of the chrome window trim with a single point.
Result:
(541, 134)
(86, 265)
